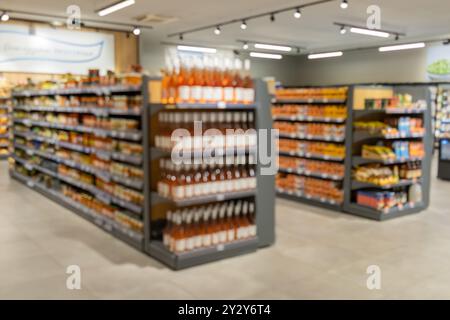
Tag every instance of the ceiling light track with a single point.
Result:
(366, 31)
(43, 16)
(270, 46)
(271, 14)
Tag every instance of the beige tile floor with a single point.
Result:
(318, 254)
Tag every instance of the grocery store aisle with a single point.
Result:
(318, 254)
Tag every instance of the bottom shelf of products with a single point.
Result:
(385, 214)
(199, 256)
(125, 234)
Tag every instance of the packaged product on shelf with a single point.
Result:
(207, 80)
(331, 112)
(180, 182)
(338, 93)
(200, 227)
(382, 200)
(377, 174)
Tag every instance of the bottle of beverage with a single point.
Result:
(189, 232)
(252, 220)
(217, 81)
(227, 82)
(230, 226)
(208, 85)
(198, 228)
(197, 86)
(183, 83)
(167, 229)
(165, 85)
(207, 235)
(180, 234)
(238, 82)
(173, 84)
(214, 226)
(249, 87)
(222, 226)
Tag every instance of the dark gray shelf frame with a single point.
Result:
(106, 224)
(418, 92)
(264, 195)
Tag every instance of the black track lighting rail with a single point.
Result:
(84, 21)
(270, 14)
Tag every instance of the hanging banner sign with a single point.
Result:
(46, 50)
(438, 63)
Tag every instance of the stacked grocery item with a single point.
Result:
(207, 80)
(76, 102)
(310, 149)
(198, 227)
(385, 175)
(79, 140)
(92, 79)
(311, 130)
(394, 151)
(330, 113)
(312, 167)
(317, 189)
(399, 102)
(215, 129)
(4, 125)
(393, 127)
(324, 93)
(185, 181)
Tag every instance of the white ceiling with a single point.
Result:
(315, 30)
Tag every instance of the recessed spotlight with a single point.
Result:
(272, 17)
(343, 30)
(5, 16)
(243, 25)
(245, 46)
(136, 31)
(217, 30)
(297, 14)
(344, 4)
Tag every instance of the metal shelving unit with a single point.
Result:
(263, 196)
(353, 150)
(299, 195)
(4, 127)
(106, 223)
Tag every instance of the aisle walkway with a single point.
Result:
(318, 254)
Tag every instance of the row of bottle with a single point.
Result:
(186, 181)
(210, 225)
(218, 129)
(206, 80)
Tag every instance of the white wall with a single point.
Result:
(364, 66)
(152, 54)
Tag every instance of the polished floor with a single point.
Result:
(318, 254)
